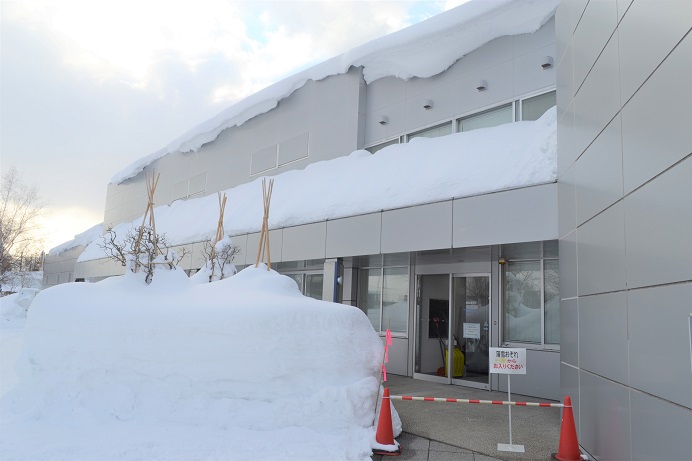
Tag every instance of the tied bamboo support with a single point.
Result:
(264, 234)
(219, 227)
(151, 190)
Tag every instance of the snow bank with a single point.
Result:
(13, 312)
(422, 171)
(243, 368)
(422, 50)
(84, 238)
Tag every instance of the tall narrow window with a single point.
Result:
(531, 294)
(395, 299)
(383, 292)
(371, 295)
(522, 306)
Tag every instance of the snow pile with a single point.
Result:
(84, 239)
(14, 308)
(422, 50)
(243, 368)
(422, 171)
(13, 312)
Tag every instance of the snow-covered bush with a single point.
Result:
(141, 250)
(219, 263)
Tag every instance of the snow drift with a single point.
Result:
(422, 171)
(243, 368)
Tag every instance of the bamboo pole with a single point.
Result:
(264, 233)
(219, 227)
(148, 212)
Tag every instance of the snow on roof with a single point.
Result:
(422, 50)
(85, 238)
(424, 170)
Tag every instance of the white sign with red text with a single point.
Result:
(508, 361)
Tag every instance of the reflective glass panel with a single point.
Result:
(434, 132)
(381, 146)
(534, 108)
(369, 296)
(313, 285)
(551, 278)
(493, 117)
(522, 301)
(395, 299)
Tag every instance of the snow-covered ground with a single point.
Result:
(242, 368)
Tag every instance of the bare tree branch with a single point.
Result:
(20, 208)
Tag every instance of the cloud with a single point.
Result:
(91, 86)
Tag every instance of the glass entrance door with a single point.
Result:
(452, 338)
(471, 329)
(432, 327)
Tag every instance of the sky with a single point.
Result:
(89, 86)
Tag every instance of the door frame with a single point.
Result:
(462, 381)
(449, 379)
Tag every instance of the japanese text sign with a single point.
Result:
(508, 361)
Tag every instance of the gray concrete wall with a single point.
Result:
(625, 224)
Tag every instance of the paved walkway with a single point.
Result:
(438, 431)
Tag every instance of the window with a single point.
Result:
(310, 284)
(383, 296)
(308, 275)
(380, 146)
(492, 117)
(531, 302)
(534, 108)
(433, 132)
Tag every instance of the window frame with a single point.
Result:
(516, 104)
(528, 345)
(381, 268)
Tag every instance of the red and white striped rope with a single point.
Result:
(488, 402)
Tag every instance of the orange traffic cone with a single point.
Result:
(385, 433)
(569, 446)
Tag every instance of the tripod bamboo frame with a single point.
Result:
(151, 190)
(264, 234)
(219, 227)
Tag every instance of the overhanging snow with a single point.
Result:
(423, 50)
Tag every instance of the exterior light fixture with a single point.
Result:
(482, 85)
(428, 104)
(547, 62)
(502, 261)
(383, 120)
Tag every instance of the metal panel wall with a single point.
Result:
(356, 235)
(630, 187)
(424, 227)
(519, 215)
(304, 242)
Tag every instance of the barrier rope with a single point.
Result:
(488, 402)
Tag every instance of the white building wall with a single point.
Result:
(625, 224)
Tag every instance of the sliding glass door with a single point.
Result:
(452, 328)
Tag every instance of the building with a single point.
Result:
(625, 201)
(608, 239)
